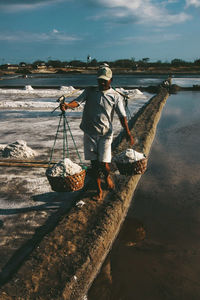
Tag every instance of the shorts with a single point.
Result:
(98, 148)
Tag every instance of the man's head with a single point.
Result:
(104, 76)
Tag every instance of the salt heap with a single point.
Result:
(67, 88)
(18, 149)
(28, 88)
(64, 168)
(132, 94)
(128, 156)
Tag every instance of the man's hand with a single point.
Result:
(72, 104)
(61, 99)
(64, 106)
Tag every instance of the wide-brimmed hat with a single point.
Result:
(104, 73)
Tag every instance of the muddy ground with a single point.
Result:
(66, 251)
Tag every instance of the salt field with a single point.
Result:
(186, 81)
(26, 199)
(26, 115)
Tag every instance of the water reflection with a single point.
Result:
(181, 109)
(132, 233)
(164, 264)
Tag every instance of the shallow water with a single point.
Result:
(81, 80)
(186, 81)
(156, 255)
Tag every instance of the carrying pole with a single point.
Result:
(126, 97)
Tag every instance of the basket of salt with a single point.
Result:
(66, 176)
(130, 162)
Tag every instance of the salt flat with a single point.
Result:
(26, 198)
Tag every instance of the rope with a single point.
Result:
(65, 141)
(52, 151)
(73, 140)
(128, 113)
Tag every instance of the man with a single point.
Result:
(100, 104)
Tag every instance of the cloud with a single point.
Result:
(13, 6)
(153, 12)
(26, 37)
(195, 3)
(156, 38)
(139, 11)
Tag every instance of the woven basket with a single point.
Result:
(137, 167)
(68, 183)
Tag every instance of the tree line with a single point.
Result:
(120, 63)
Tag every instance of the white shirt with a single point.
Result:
(99, 110)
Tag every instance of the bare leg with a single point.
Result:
(99, 189)
(96, 172)
(106, 171)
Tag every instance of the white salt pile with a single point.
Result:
(18, 149)
(2, 146)
(129, 156)
(132, 94)
(66, 168)
(43, 93)
(68, 89)
(137, 94)
(28, 88)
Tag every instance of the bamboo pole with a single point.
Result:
(21, 164)
(24, 163)
(10, 160)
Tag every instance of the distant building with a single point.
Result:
(22, 64)
(89, 59)
(12, 67)
(41, 66)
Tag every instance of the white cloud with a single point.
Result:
(26, 37)
(195, 3)
(13, 6)
(153, 12)
(140, 11)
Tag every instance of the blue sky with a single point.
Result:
(104, 29)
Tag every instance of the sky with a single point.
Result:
(107, 30)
